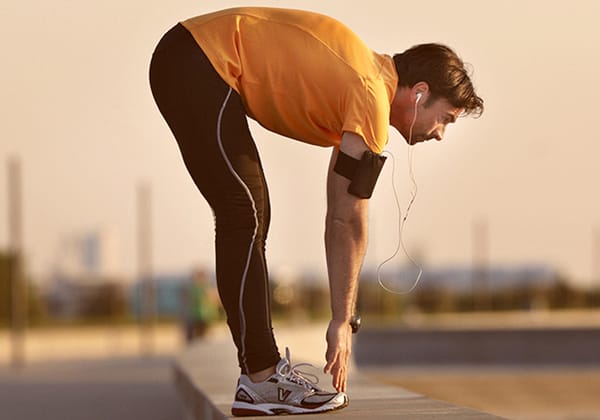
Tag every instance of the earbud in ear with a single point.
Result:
(419, 94)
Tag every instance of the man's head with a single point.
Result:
(434, 83)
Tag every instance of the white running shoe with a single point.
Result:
(287, 391)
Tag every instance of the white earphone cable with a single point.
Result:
(402, 220)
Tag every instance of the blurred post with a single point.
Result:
(18, 310)
(147, 288)
(480, 281)
(595, 259)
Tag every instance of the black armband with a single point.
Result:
(363, 173)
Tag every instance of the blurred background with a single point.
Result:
(104, 239)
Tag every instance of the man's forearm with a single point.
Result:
(345, 246)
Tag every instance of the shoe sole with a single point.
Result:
(242, 409)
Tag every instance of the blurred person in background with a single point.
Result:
(308, 77)
(200, 307)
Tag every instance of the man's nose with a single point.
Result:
(439, 133)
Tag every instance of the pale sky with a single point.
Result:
(77, 109)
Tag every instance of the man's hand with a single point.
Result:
(339, 345)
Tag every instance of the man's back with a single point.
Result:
(300, 74)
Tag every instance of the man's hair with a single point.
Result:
(444, 72)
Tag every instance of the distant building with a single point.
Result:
(169, 291)
(87, 278)
(94, 254)
(463, 279)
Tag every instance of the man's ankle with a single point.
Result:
(262, 375)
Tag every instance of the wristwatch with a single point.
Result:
(355, 323)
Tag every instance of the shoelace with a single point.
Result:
(293, 374)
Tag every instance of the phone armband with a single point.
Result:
(363, 173)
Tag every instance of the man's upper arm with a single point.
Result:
(340, 202)
(362, 172)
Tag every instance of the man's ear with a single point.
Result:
(419, 92)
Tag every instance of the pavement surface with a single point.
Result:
(115, 388)
(560, 393)
(91, 343)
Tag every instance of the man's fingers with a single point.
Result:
(338, 372)
(336, 365)
(331, 357)
(339, 379)
(333, 366)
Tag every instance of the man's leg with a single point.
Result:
(209, 122)
(242, 216)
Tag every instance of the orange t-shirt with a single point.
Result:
(300, 74)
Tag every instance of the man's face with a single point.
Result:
(432, 119)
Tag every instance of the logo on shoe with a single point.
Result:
(282, 394)
(242, 395)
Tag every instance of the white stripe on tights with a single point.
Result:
(245, 187)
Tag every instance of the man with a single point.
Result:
(310, 78)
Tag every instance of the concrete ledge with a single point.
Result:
(206, 374)
(479, 347)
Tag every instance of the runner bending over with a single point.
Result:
(310, 78)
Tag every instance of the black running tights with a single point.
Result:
(209, 123)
